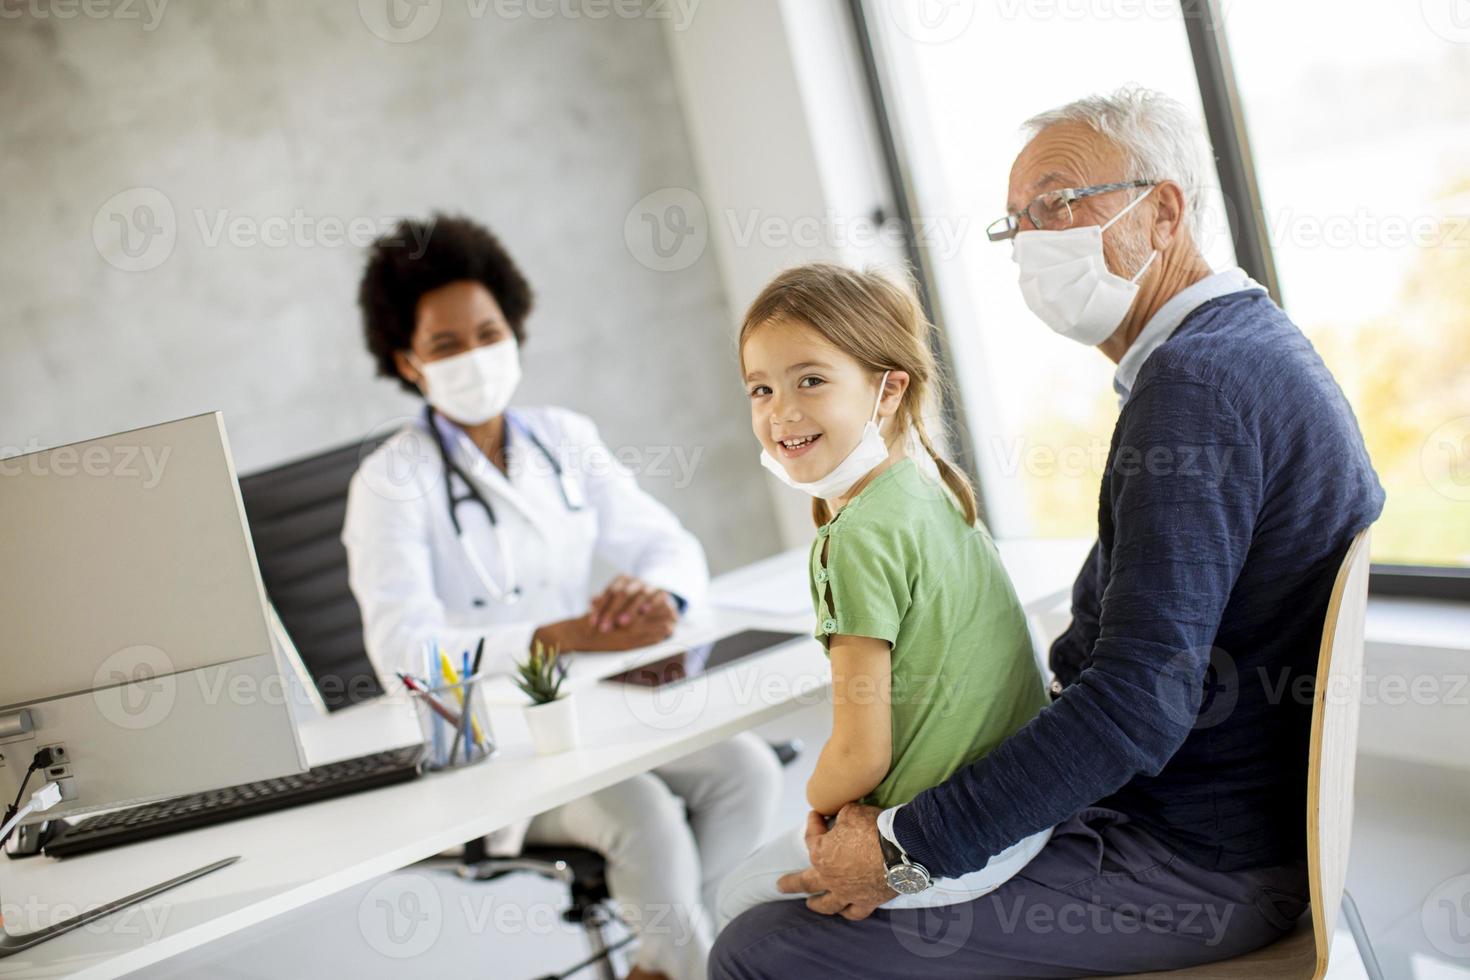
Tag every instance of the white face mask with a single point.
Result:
(868, 453)
(1066, 282)
(475, 386)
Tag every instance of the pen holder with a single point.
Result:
(455, 724)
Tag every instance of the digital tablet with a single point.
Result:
(703, 659)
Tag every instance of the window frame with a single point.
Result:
(960, 447)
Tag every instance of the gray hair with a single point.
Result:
(1159, 139)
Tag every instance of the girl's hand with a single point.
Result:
(626, 599)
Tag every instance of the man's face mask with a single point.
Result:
(1066, 282)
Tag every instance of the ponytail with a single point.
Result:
(953, 478)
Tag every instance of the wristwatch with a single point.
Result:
(904, 876)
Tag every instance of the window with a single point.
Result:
(1364, 172)
(1359, 142)
(960, 79)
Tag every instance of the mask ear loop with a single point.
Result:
(1131, 205)
(1153, 254)
(1144, 268)
(881, 385)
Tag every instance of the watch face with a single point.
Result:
(907, 879)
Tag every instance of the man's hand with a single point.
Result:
(627, 599)
(847, 876)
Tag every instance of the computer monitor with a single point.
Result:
(134, 631)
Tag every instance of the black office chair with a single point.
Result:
(295, 513)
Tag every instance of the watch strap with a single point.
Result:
(893, 855)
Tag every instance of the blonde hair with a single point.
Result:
(875, 318)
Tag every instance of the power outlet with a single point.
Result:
(57, 756)
(58, 769)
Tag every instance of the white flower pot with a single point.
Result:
(553, 725)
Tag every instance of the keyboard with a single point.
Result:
(234, 802)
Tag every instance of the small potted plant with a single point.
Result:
(551, 716)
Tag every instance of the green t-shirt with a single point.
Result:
(902, 565)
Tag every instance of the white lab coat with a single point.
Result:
(410, 575)
(414, 584)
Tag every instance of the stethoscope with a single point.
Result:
(571, 495)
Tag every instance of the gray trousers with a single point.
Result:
(1103, 896)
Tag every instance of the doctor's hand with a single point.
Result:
(847, 876)
(627, 599)
(581, 634)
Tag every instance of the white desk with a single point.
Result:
(294, 857)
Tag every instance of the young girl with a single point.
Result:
(931, 660)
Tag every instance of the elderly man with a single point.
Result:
(1172, 759)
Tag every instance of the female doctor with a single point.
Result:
(482, 521)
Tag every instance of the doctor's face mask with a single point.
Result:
(466, 355)
(475, 386)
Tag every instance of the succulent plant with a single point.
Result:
(541, 673)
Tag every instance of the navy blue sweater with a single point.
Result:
(1236, 479)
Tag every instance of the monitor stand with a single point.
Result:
(10, 944)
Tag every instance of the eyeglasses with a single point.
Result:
(1052, 211)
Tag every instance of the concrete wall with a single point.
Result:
(187, 189)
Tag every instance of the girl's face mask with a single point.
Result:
(868, 453)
